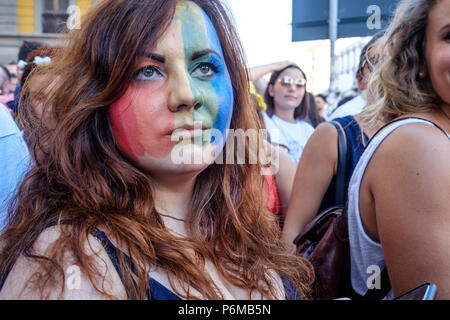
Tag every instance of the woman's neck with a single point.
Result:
(285, 114)
(445, 113)
(173, 196)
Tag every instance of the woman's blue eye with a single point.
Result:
(148, 73)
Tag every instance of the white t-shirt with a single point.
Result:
(292, 135)
(350, 108)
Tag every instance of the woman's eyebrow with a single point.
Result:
(202, 53)
(445, 27)
(155, 56)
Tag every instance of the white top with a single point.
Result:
(350, 108)
(292, 135)
(366, 255)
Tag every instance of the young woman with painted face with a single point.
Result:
(287, 107)
(399, 194)
(110, 211)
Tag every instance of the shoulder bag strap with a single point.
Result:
(341, 164)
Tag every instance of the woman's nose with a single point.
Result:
(184, 94)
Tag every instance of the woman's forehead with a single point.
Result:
(197, 29)
(292, 72)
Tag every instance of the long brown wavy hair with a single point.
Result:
(81, 180)
(399, 84)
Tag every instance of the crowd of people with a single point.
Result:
(90, 133)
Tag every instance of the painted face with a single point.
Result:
(287, 96)
(437, 49)
(181, 99)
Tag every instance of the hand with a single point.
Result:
(283, 64)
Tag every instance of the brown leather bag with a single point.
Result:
(325, 243)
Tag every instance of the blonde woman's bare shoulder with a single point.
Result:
(24, 274)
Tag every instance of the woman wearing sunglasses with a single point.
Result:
(287, 106)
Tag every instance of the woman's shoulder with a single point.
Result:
(418, 134)
(416, 146)
(76, 285)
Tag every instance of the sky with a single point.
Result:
(265, 30)
(264, 27)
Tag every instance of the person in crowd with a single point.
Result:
(314, 117)
(109, 196)
(25, 49)
(357, 104)
(14, 72)
(257, 74)
(288, 106)
(321, 107)
(282, 170)
(399, 194)
(315, 180)
(5, 86)
(36, 62)
(14, 161)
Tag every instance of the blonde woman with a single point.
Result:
(399, 194)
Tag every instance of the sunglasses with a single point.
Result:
(370, 63)
(286, 80)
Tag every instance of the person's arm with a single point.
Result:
(285, 178)
(409, 182)
(77, 285)
(260, 86)
(314, 174)
(258, 72)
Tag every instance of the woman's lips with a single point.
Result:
(188, 132)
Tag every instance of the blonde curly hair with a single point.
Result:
(399, 84)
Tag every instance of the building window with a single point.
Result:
(54, 15)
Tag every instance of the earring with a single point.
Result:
(422, 74)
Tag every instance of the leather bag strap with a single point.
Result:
(341, 164)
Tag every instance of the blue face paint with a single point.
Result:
(215, 90)
(224, 93)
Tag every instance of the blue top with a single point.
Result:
(157, 291)
(356, 142)
(14, 160)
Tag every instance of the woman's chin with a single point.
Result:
(193, 154)
(184, 158)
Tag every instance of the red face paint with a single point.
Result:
(141, 122)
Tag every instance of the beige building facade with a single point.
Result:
(34, 20)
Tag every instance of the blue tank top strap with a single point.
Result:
(157, 291)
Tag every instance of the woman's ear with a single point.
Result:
(270, 90)
(423, 71)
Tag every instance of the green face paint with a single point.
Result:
(180, 82)
(214, 92)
